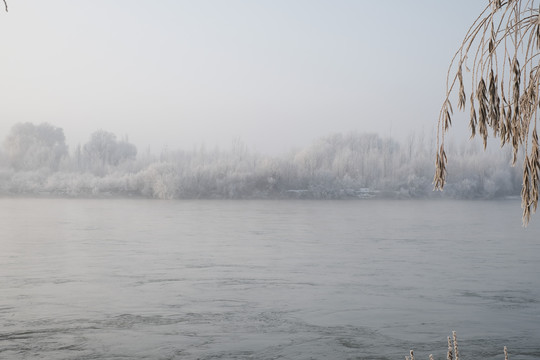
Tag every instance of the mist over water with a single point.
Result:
(146, 279)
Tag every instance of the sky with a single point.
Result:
(274, 74)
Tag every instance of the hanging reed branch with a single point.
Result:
(5, 5)
(504, 45)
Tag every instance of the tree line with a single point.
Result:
(35, 160)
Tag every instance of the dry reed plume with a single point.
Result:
(504, 43)
(453, 352)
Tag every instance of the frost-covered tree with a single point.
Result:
(100, 148)
(103, 150)
(501, 54)
(30, 147)
(124, 151)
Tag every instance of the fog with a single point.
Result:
(36, 161)
(319, 100)
(275, 74)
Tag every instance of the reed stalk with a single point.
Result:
(453, 352)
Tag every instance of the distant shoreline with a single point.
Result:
(386, 196)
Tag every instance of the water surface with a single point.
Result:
(144, 279)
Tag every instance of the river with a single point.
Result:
(369, 279)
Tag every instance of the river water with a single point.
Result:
(148, 279)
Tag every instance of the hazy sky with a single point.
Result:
(275, 74)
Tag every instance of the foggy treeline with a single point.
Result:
(35, 160)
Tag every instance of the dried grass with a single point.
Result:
(504, 42)
(453, 352)
(450, 353)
